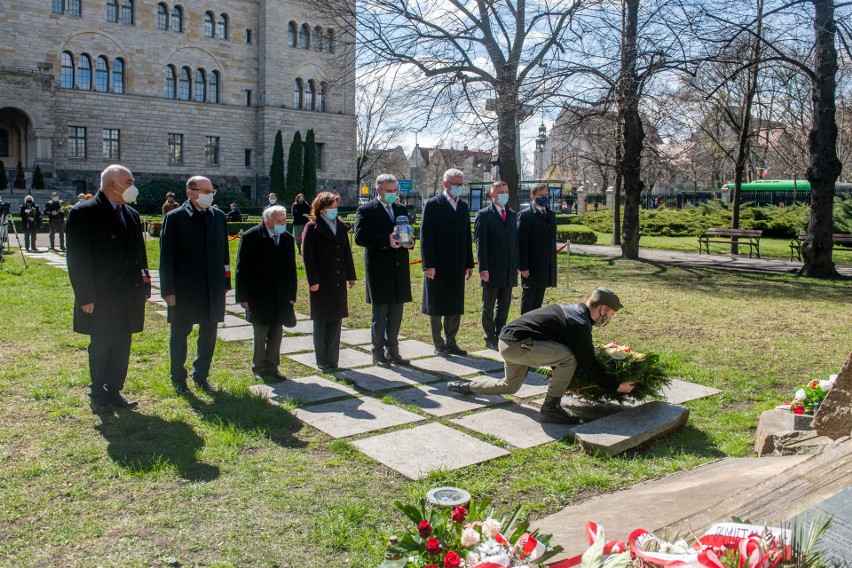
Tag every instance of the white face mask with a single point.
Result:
(204, 200)
(129, 195)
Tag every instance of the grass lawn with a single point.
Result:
(229, 480)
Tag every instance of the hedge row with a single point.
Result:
(577, 234)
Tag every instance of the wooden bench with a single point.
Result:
(728, 236)
(839, 241)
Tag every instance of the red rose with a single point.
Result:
(458, 514)
(433, 546)
(430, 566)
(452, 560)
(424, 528)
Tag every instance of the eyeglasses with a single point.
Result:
(206, 191)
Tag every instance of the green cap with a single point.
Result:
(607, 297)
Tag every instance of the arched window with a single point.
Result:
(67, 81)
(200, 85)
(185, 84)
(112, 10)
(214, 86)
(291, 34)
(171, 82)
(322, 92)
(329, 40)
(101, 74)
(162, 17)
(84, 73)
(209, 24)
(118, 76)
(298, 94)
(127, 12)
(305, 37)
(223, 26)
(317, 39)
(177, 19)
(309, 96)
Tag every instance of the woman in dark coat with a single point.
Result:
(301, 213)
(328, 266)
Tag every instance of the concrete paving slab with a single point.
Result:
(304, 390)
(534, 384)
(355, 336)
(679, 392)
(235, 309)
(296, 344)
(349, 359)
(437, 400)
(301, 328)
(415, 453)
(240, 333)
(378, 379)
(301, 317)
(489, 354)
(624, 430)
(412, 349)
(233, 321)
(457, 366)
(163, 313)
(159, 302)
(352, 416)
(517, 424)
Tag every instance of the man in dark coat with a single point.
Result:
(55, 211)
(446, 249)
(386, 267)
(30, 221)
(536, 249)
(108, 268)
(329, 268)
(266, 288)
(496, 235)
(195, 273)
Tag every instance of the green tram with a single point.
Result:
(781, 191)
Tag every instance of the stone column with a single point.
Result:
(610, 197)
(726, 194)
(581, 200)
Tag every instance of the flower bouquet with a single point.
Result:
(462, 538)
(624, 364)
(808, 398)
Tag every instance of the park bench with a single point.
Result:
(839, 241)
(244, 217)
(751, 238)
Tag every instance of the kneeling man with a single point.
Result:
(559, 336)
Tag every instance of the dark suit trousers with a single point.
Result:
(109, 356)
(450, 326)
(177, 351)
(495, 310)
(267, 348)
(531, 299)
(327, 342)
(384, 328)
(30, 237)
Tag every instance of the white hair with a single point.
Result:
(109, 172)
(385, 178)
(451, 173)
(270, 212)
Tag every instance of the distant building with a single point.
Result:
(172, 89)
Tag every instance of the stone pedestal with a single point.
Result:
(581, 201)
(782, 433)
(834, 417)
(610, 197)
(726, 195)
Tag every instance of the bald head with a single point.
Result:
(114, 180)
(200, 188)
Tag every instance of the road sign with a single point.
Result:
(404, 186)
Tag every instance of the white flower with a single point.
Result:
(469, 538)
(800, 395)
(616, 353)
(490, 528)
(832, 378)
(826, 385)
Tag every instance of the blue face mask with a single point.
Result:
(389, 198)
(456, 190)
(502, 199)
(541, 201)
(279, 229)
(331, 214)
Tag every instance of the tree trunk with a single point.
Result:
(507, 140)
(825, 165)
(628, 110)
(616, 209)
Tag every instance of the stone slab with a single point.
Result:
(489, 354)
(412, 349)
(296, 344)
(352, 416)
(304, 390)
(301, 328)
(517, 424)
(624, 430)
(235, 309)
(159, 302)
(240, 333)
(431, 447)
(233, 321)
(679, 392)
(457, 366)
(355, 336)
(300, 317)
(534, 384)
(379, 379)
(834, 417)
(163, 313)
(348, 359)
(437, 400)
(837, 540)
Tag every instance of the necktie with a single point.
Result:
(119, 210)
(389, 209)
(275, 238)
(503, 214)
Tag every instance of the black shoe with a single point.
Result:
(461, 387)
(260, 376)
(552, 412)
(276, 375)
(455, 350)
(327, 368)
(441, 351)
(180, 388)
(100, 406)
(492, 344)
(119, 401)
(205, 386)
(398, 359)
(380, 361)
(63, 249)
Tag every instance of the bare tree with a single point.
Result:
(378, 123)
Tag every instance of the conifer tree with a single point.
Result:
(20, 181)
(4, 181)
(276, 170)
(309, 175)
(294, 169)
(38, 178)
